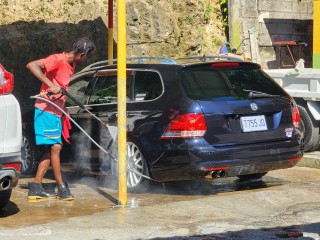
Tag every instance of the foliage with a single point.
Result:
(217, 42)
(222, 13)
(187, 20)
(207, 12)
(151, 2)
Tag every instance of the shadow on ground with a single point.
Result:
(9, 210)
(309, 231)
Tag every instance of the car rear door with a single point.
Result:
(234, 111)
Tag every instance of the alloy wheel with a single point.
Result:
(135, 162)
(25, 154)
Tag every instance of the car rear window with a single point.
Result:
(226, 84)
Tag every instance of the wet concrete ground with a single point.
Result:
(285, 204)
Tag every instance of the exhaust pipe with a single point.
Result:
(216, 174)
(222, 174)
(5, 183)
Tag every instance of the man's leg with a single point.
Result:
(55, 162)
(43, 167)
(63, 189)
(36, 190)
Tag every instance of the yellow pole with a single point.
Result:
(316, 32)
(122, 129)
(110, 30)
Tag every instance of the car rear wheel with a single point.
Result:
(5, 197)
(136, 165)
(252, 176)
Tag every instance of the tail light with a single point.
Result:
(294, 159)
(295, 114)
(6, 81)
(188, 125)
(225, 64)
(16, 166)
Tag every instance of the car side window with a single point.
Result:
(105, 90)
(79, 89)
(147, 85)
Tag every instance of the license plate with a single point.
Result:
(254, 123)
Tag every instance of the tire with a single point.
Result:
(31, 155)
(309, 132)
(137, 162)
(5, 197)
(252, 176)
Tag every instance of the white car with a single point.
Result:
(10, 137)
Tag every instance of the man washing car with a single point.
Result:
(55, 72)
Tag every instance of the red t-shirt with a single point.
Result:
(59, 71)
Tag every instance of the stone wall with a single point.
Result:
(33, 29)
(273, 20)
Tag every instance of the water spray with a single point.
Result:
(112, 130)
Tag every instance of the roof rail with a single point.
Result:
(204, 58)
(150, 59)
(99, 64)
(130, 59)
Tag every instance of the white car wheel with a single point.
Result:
(136, 165)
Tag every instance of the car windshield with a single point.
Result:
(228, 84)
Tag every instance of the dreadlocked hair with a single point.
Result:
(85, 46)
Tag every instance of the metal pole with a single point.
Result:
(122, 129)
(253, 45)
(110, 30)
(316, 32)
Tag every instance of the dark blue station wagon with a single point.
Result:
(188, 119)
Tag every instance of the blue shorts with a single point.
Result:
(47, 127)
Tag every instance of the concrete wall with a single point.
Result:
(273, 20)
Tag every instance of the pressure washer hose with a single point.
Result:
(92, 140)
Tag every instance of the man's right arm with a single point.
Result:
(36, 68)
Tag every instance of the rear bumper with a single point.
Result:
(243, 159)
(265, 166)
(195, 158)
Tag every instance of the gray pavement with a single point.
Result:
(285, 205)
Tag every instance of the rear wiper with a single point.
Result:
(256, 94)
